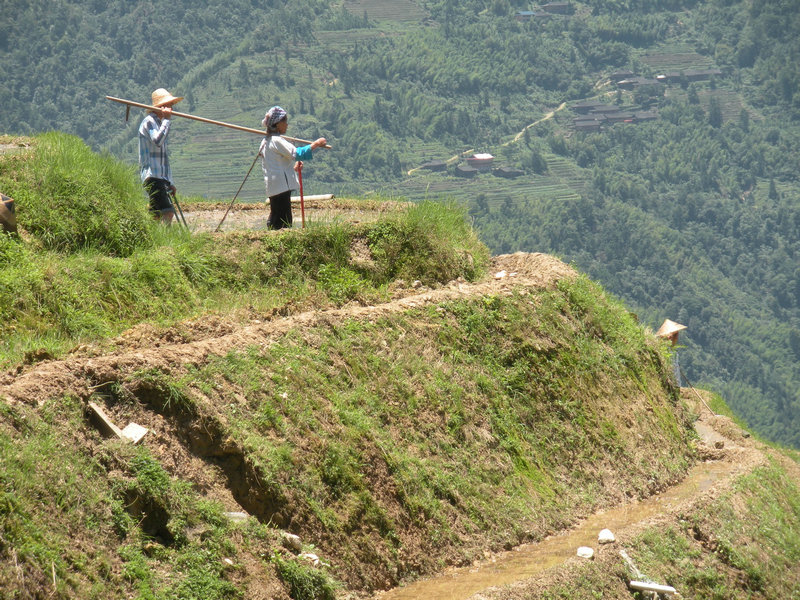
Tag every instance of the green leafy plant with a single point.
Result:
(305, 581)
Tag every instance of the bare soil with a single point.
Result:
(192, 343)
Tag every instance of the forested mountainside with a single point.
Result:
(692, 214)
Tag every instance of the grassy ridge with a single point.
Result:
(93, 262)
(394, 446)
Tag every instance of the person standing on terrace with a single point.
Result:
(154, 167)
(281, 161)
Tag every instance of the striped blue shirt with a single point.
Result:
(153, 159)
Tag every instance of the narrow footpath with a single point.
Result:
(725, 452)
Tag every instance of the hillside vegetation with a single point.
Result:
(393, 442)
(693, 216)
(298, 382)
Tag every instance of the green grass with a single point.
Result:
(54, 295)
(419, 437)
(72, 199)
(79, 523)
(468, 411)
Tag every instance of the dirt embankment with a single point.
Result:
(191, 344)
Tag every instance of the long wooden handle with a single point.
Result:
(204, 120)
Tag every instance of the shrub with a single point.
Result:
(304, 581)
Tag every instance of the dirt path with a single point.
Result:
(143, 348)
(516, 138)
(547, 117)
(526, 571)
(253, 216)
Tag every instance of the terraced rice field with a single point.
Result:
(392, 10)
(339, 40)
(564, 180)
(675, 57)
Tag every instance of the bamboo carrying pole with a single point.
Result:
(204, 120)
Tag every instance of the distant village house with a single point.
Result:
(507, 172)
(558, 8)
(434, 165)
(464, 171)
(481, 162)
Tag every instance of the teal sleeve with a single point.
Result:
(303, 153)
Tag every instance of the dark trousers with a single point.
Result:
(158, 192)
(280, 211)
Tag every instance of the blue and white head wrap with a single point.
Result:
(274, 116)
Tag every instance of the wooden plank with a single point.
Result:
(652, 587)
(134, 432)
(104, 421)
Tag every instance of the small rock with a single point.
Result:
(606, 537)
(585, 552)
(310, 557)
(500, 275)
(237, 517)
(719, 444)
(417, 283)
(292, 542)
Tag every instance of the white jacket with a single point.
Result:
(277, 161)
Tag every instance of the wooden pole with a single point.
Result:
(204, 120)
(302, 207)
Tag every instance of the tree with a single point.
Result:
(714, 112)
(744, 120)
(692, 96)
(773, 191)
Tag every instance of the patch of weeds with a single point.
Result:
(150, 475)
(305, 582)
(431, 242)
(203, 578)
(340, 470)
(59, 191)
(342, 284)
(136, 569)
(160, 390)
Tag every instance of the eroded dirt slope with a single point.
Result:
(143, 348)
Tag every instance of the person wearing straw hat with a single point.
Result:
(669, 331)
(154, 168)
(280, 161)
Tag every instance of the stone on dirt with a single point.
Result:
(237, 517)
(585, 552)
(310, 557)
(292, 542)
(134, 432)
(606, 537)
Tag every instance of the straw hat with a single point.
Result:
(162, 97)
(668, 328)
